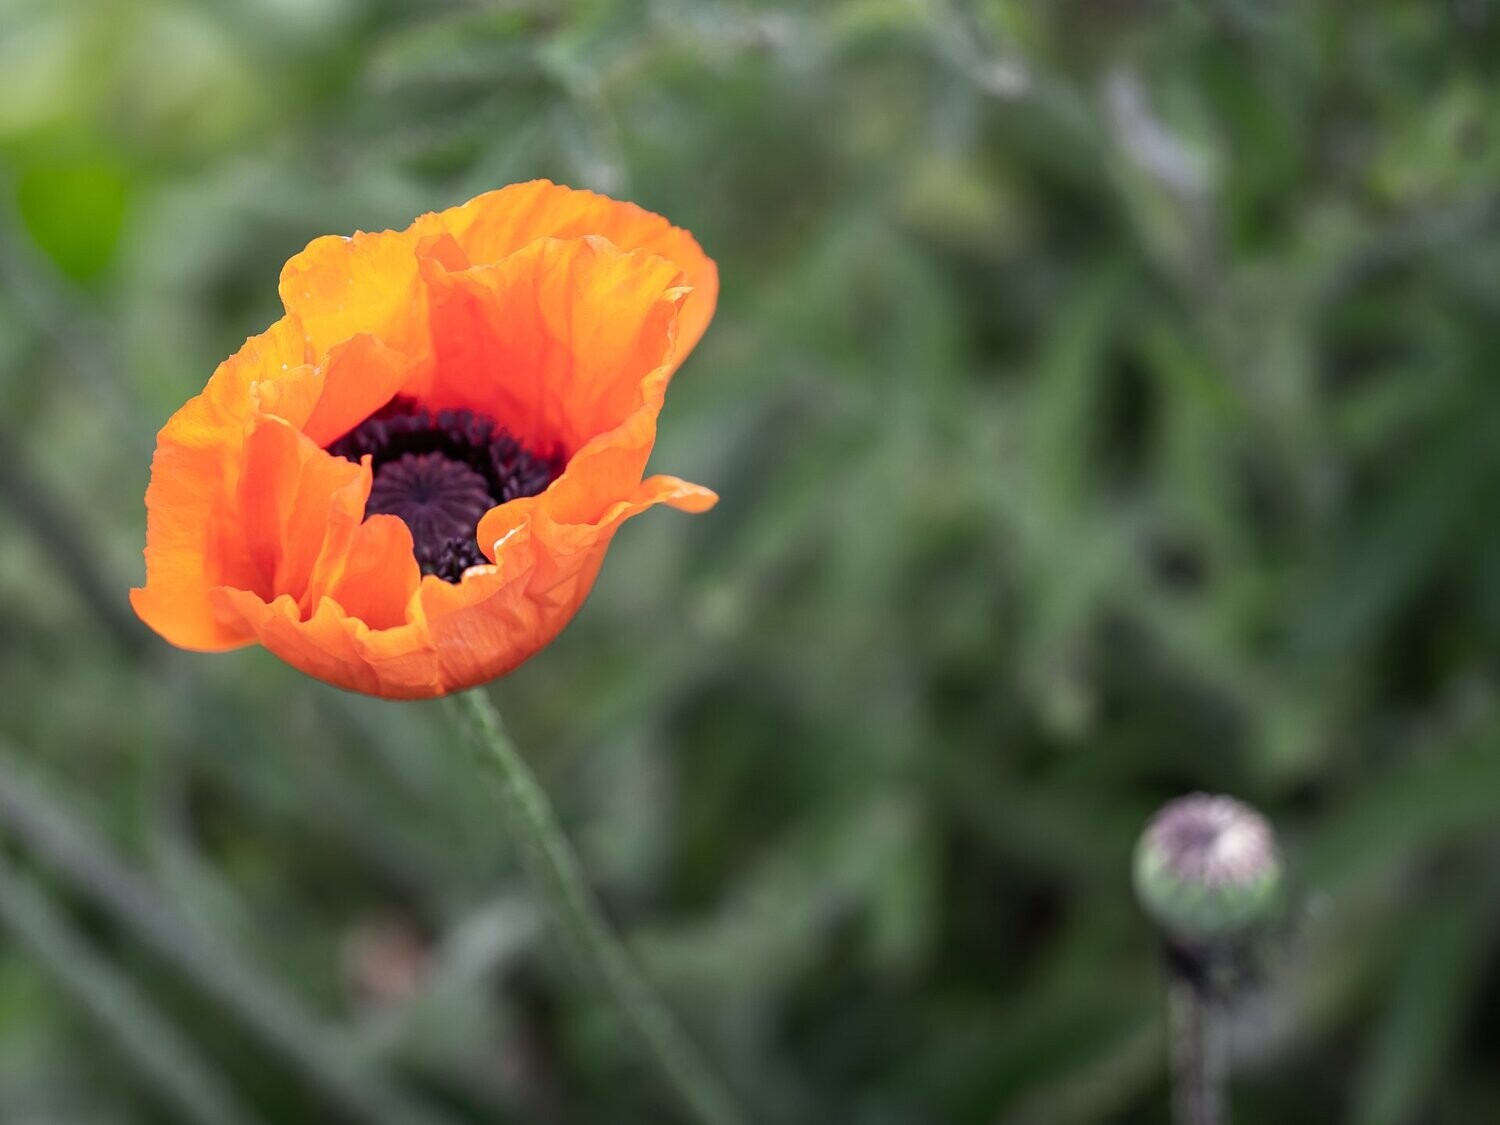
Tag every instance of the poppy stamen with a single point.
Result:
(440, 473)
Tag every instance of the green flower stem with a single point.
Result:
(1198, 1050)
(557, 874)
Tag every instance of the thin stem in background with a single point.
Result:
(1198, 1053)
(573, 908)
(164, 1056)
(58, 531)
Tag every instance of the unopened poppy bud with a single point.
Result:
(1207, 869)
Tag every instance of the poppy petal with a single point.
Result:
(380, 575)
(555, 340)
(499, 616)
(299, 510)
(360, 377)
(190, 500)
(339, 287)
(342, 650)
(496, 224)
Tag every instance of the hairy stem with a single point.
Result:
(1198, 1056)
(574, 910)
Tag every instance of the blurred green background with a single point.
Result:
(1104, 401)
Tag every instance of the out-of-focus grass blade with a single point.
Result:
(438, 1023)
(57, 531)
(1065, 401)
(47, 830)
(165, 1057)
(1412, 532)
(1099, 1090)
(471, 48)
(1428, 1001)
(1404, 812)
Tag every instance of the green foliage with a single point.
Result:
(1102, 398)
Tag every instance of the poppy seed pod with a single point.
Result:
(1207, 869)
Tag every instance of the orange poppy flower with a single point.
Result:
(407, 484)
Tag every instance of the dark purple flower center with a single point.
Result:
(440, 472)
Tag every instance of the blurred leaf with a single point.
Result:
(75, 209)
(165, 1057)
(1428, 1003)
